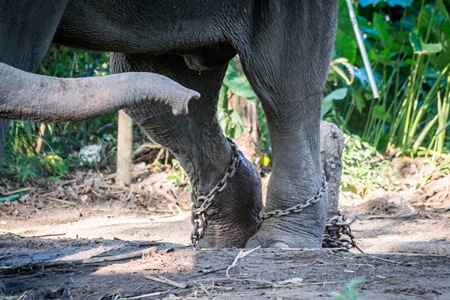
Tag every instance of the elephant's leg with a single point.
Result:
(197, 142)
(287, 65)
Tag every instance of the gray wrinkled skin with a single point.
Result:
(285, 47)
(60, 100)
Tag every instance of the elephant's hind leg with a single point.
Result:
(197, 142)
(287, 60)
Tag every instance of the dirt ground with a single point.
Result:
(92, 238)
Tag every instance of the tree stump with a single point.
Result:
(331, 147)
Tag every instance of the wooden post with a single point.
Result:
(331, 147)
(124, 148)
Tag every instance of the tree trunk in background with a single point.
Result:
(3, 133)
(124, 148)
(40, 140)
(249, 141)
(331, 147)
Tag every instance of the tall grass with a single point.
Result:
(410, 50)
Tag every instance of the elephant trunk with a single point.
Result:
(34, 97)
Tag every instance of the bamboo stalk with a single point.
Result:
(362, 49)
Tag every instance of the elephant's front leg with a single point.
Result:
(287, 63)
(224, 183)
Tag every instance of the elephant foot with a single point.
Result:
(301, 226)
(278, 233)
(233, 214)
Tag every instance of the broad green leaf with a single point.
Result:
(327, 102)
(384, 31)
(422, 48)
(359, 103)
(379, 113)
(238, 84)
(346, 46)
(344, 23)
(432, 48)
(441, 8)
(241, 87)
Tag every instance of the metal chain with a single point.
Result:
(299, 207)
(335, 228)
(202, 203)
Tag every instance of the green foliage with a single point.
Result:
(363, 167)
(235, 83)
(348, 292)
(179, 177)
(229, 119)
(327, 103)
(408, 44)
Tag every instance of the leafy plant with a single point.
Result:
(364, 169)
(408, 44)
(348, 292)
(179, 178)
(235, 83)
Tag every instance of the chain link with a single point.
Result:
(299, 207)
(335, 228)
(202, 203)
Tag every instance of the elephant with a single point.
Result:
(285, 47)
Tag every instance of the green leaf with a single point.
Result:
(327, 102)
(238, 83)
(384, 31)
(379, 112)
(441, 8)
(346, 46)
(422, 48)
(235, 127)
(431, 48)
(241, 87)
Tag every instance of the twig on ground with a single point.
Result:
(68, 182)
(97, 194)
(418, 254)
(46, 235)
(240, 255)
(167, 281)
(145, 296)
(158, 156)
(408, 215)
(59, 200)
(16, 191)
(386, 260)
